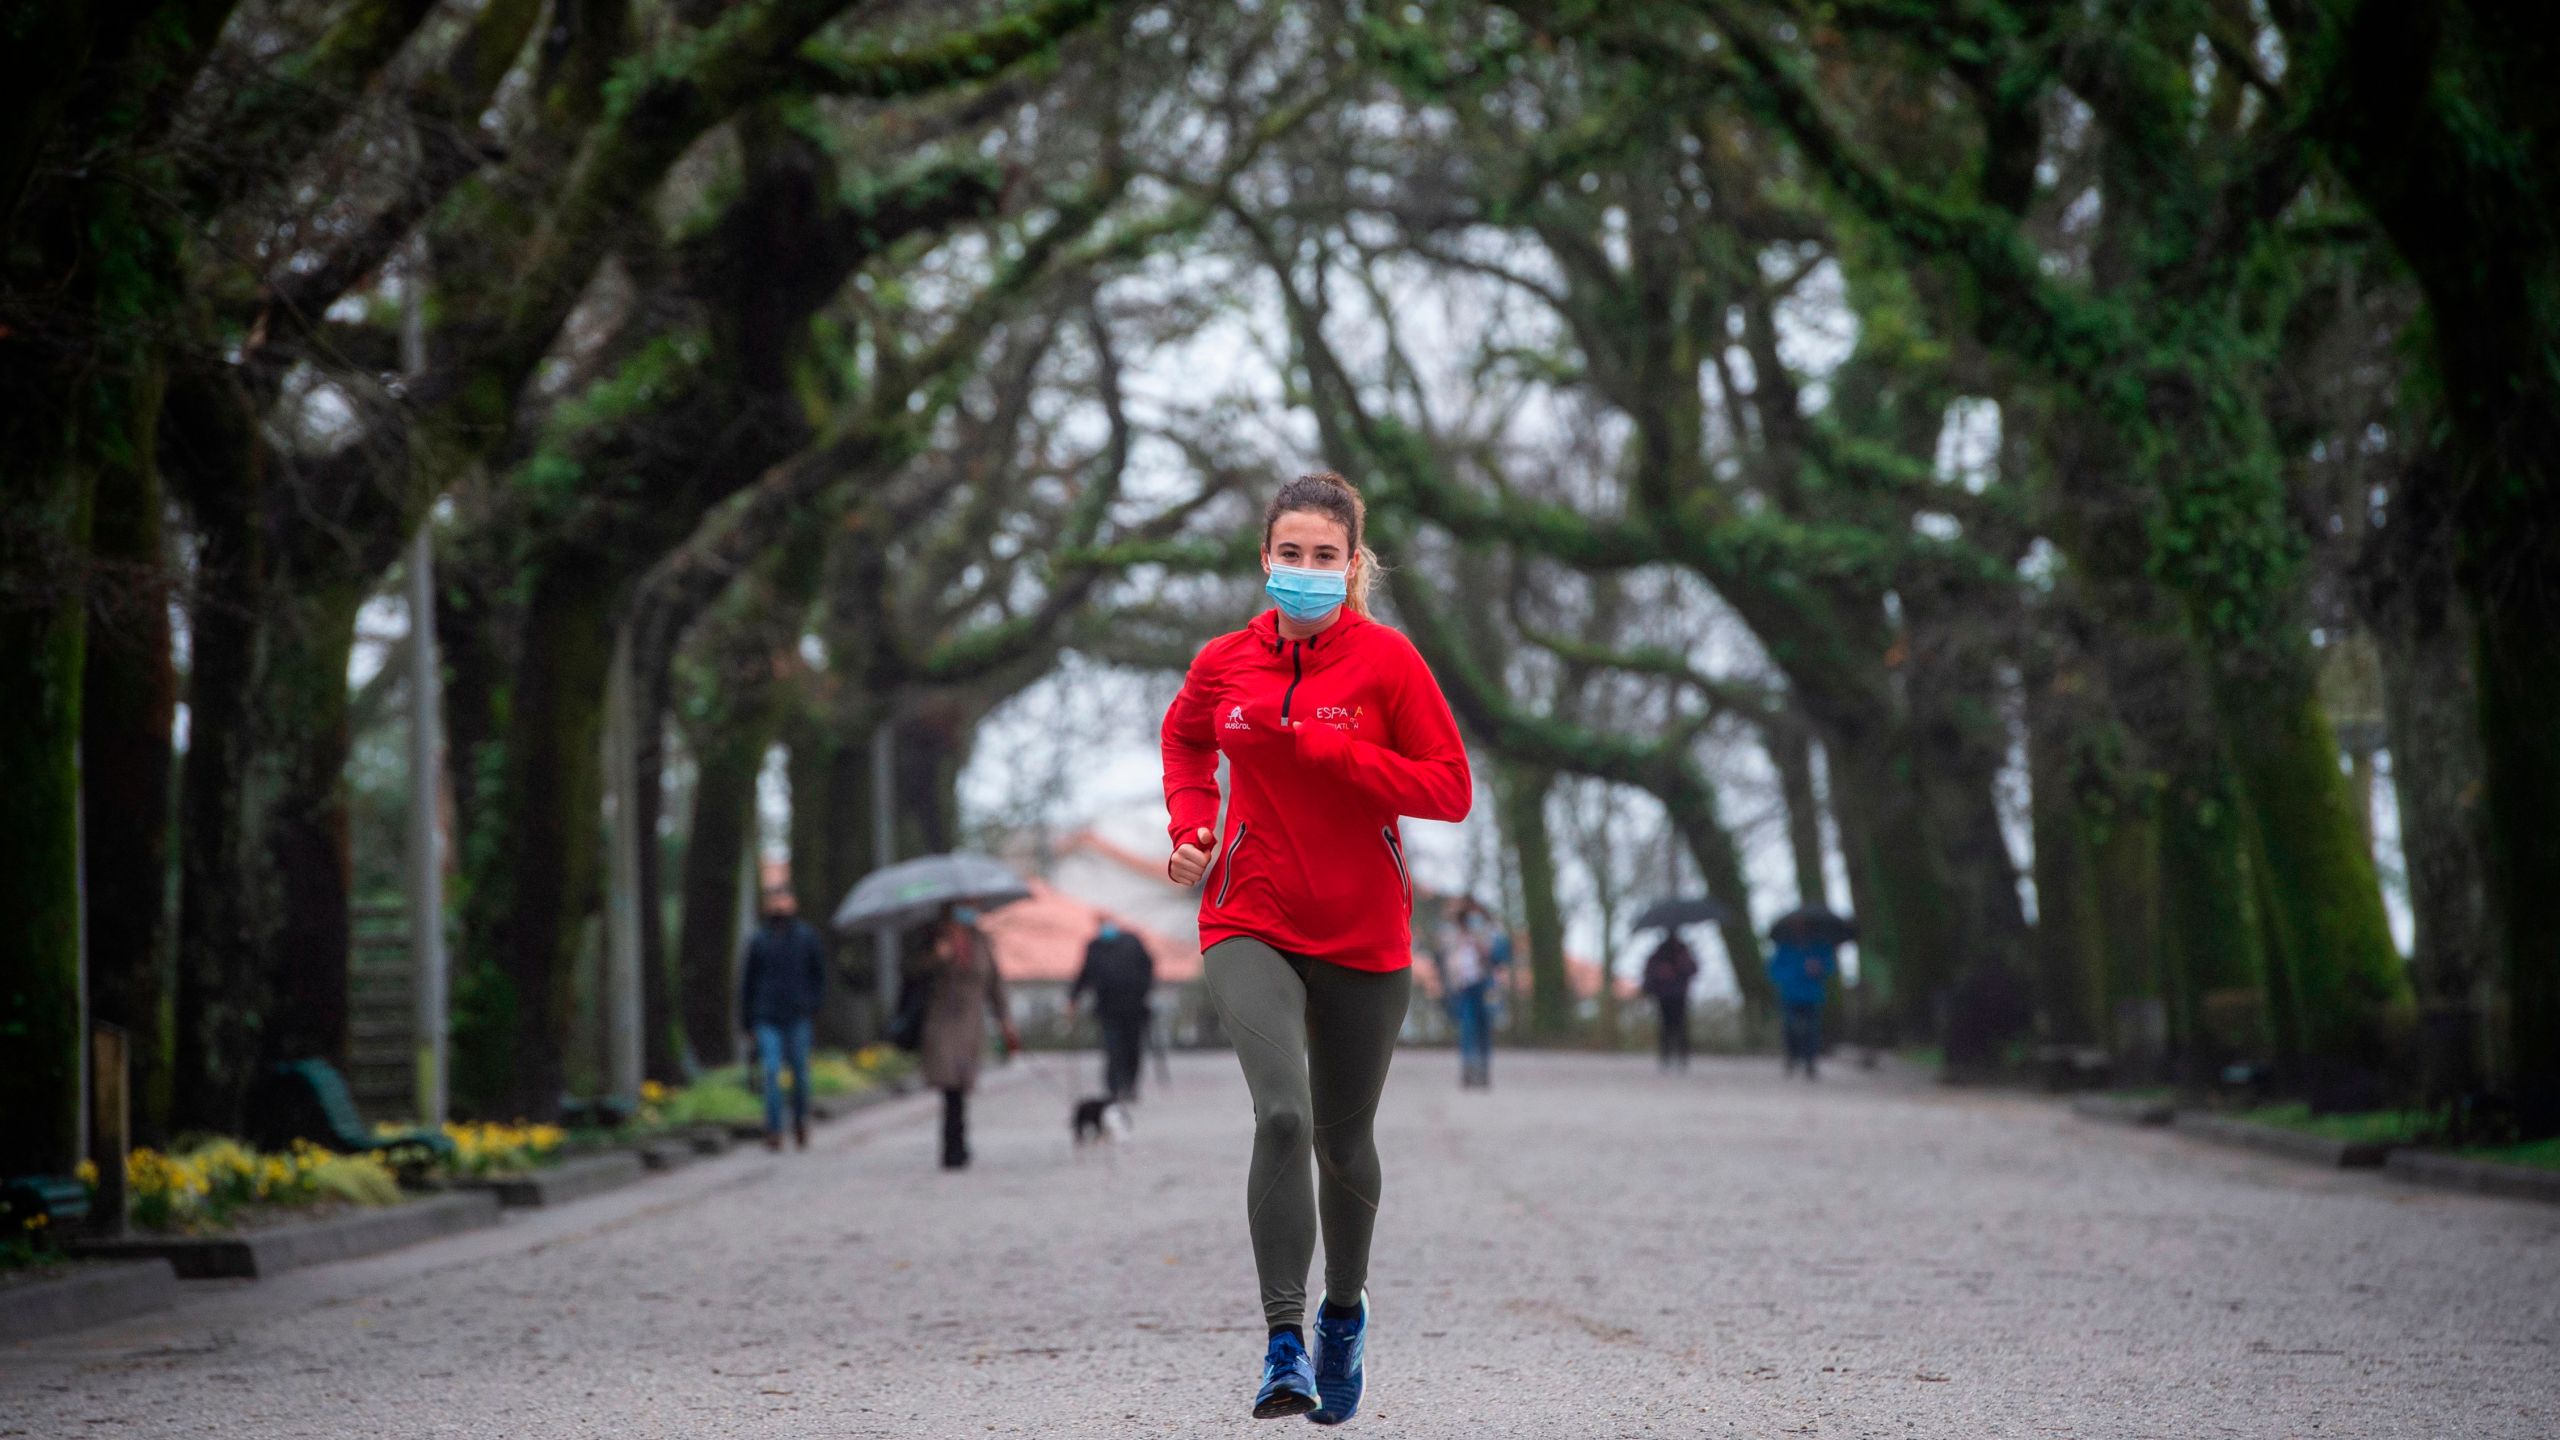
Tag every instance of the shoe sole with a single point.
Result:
(1281, 1407)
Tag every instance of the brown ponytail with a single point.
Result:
(1328, 494)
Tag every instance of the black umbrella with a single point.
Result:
(1813, 925)
(1665, 914)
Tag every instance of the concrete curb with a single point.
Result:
(666, 1153)
(2276, 1140)
(285, 1247)
(2480, 1177)
(558, 1184)
(92, 1294)
(2125, 1109)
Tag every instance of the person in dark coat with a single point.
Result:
(1667, 973)
(786, 977)
(966, 991)
(1119, 974)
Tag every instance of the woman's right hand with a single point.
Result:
(1191, 861)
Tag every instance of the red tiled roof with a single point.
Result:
(1089, 839)
(1042, 939)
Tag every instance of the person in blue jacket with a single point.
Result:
(1800, 971)
(785, 978)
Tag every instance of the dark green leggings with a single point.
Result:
(1315, 1039)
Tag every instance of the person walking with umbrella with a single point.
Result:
(964, 990)
(1669, 970)
(1333, 728)
(1804, 953)
(1667, 974)
(948, 992)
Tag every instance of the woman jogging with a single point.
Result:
(1332, 728)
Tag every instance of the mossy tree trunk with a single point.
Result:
(301, 825)
(2413, 602)
(129, 698)
(2323, 920)
(45, 498)
(1791, 754)
(2070, 936)
(2125, 855)
(2213, 979)
(222, 982)
(535, 877)
(2442, 118)
(2519, 670)
(1906, 870)
(1520, 795)
(728, 751)
(89, 262)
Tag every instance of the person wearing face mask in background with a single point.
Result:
(1118, 973)
(964, 991)
(1333, 728)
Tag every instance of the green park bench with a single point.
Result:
(309, 1100)
(62, 1200)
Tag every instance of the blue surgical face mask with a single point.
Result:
(1307, 595)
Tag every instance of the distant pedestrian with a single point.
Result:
(1120, 975)
(1667, 973)
(1799, 970)
(1470, 952)
(786, 977)
(964, 990)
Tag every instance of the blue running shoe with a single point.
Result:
(1342, 1345)
(1288, 1379)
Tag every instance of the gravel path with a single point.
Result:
(1589, 1249)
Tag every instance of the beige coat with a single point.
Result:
(966, 990)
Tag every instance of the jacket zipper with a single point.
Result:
(1229, 860)
(1297, 672)
(1395, 853)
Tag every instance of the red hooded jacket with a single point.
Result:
(1328, 740)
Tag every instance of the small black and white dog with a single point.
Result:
(1098, 1118)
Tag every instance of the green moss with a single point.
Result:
(2384, 1126)
(2540, 1154)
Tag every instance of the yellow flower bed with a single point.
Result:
(489, 1148)
(210, 1183)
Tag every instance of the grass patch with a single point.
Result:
(728, 1095)
(2389, 1127)
(2539, 1154)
